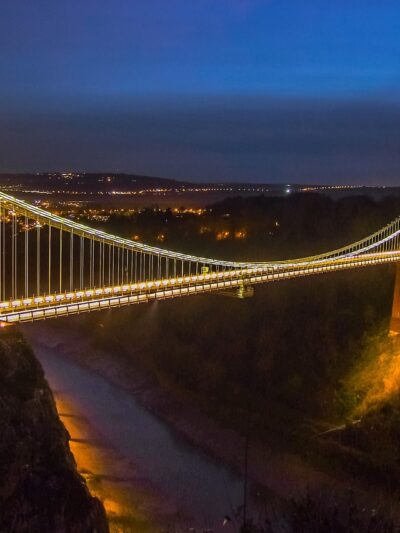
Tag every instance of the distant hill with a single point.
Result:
(117, 183)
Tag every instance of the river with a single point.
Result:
(195, 485)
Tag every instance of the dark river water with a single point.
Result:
(188, 477)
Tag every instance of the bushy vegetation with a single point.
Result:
(291, 344)
(322, 514)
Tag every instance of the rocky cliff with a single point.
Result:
(40, 488)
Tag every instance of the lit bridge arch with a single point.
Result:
(52, 266)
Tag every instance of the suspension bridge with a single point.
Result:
(52, 266)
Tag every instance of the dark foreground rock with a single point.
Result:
(40, 488)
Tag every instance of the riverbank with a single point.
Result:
(130, 502)
(280, 474)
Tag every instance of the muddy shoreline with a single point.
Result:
(128, 499)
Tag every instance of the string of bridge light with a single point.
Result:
(101, 264)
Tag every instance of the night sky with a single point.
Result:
(241, 90)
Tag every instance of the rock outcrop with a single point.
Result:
(40, 488)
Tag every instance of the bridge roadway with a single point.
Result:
(67, 303)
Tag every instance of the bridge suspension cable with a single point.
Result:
(83, 269)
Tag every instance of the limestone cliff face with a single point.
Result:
(40, 488)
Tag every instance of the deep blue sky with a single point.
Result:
(252, 90)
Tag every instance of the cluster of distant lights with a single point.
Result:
(103, 214)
